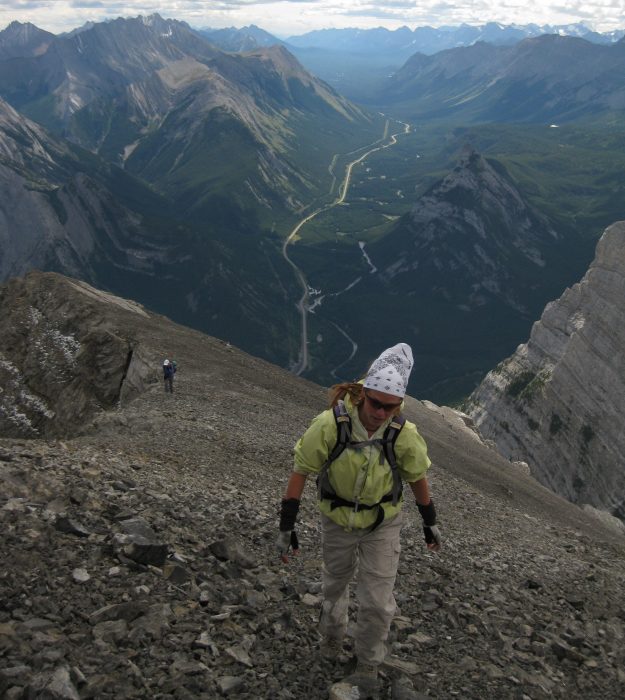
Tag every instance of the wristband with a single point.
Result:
(288, 513)
(428, 513)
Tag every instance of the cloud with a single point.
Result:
(298, 16)
(21, 5)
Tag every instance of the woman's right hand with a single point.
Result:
(287, 539)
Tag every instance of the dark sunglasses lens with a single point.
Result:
(378, 404)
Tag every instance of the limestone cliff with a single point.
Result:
(67, 351)
(558, 402)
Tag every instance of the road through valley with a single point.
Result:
(303, 304)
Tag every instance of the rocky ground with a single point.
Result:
(139, 563)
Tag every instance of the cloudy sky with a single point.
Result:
(289, 17)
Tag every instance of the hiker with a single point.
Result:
(360, 499)
(169, 369)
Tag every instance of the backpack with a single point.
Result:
(343, 442)
(168, 371)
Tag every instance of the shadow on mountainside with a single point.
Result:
(139, 558)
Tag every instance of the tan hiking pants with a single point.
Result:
(374, 555)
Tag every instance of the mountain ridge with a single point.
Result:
(429, 40)
(548, 78)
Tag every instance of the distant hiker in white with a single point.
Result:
(169, 370)
(361, 450)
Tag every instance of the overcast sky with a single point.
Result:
(290, 17)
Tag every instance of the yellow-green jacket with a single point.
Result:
(357, 475)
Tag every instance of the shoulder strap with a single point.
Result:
(343, 438)
(388, 450)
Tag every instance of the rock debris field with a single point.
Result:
(138, 557)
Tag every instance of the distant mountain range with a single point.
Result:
(430, 40)
(403, 41)
(547, 79)
(354, 61)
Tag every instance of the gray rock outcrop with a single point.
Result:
(67, 351)
(558, 402)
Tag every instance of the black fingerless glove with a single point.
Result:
(430, 530)
(288, 513)
(428, 513)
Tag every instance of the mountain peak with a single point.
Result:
(151, 20)
(459, 212)
(23, 39)
(17, 26)
(469, 157)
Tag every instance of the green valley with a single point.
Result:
(571, 174)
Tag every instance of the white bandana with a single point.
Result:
(391, 371)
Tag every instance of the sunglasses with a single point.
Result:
(377, 405)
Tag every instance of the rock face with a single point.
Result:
(474, 233)
(67, 351)
(62, 211)
(558, 402)
(139, 557)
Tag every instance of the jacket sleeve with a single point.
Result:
(411, 453)
(313, 448)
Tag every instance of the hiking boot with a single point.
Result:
(365, 678)
(331, 648)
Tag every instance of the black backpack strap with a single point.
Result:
(388, 451)
(343, 438)
(337, 502)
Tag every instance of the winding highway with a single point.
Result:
(303, 304)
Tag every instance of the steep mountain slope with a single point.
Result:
(558, 401)
(142, 561)
(63, 209)
(196, 122)
(242, 126)
(545, 79)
